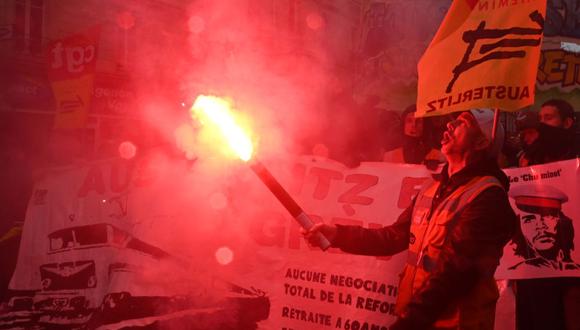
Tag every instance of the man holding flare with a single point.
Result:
(454, 231)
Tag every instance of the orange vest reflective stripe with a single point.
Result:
(429, 233)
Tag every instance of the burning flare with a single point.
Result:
(217, 112)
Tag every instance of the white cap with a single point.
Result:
(484, 118)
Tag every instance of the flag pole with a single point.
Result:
(495, 124)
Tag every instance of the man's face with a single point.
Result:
(462, 135)
(413, 126)
(539, 229)
(550, 116)
(529, 136)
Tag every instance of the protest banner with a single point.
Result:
(544, 197)
(560, 55)
(134, 243)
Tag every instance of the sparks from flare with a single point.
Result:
(217, 112)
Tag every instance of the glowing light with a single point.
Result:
(104, 201)
(314, 21)
(224, 255)
(216, 112)
(218, 201)
(127, 150)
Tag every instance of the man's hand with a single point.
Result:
(329, 231)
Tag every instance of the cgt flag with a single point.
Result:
(71, 71)
(484, 55)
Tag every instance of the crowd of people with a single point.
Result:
(540, 137)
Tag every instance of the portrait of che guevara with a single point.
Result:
(545, 235)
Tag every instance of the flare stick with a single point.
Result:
(287, 201)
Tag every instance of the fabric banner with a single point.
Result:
(72, 62)
(484, 55)
(118, 244)
(545, 199)
(557, 73)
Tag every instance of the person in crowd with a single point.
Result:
(454, 231)
(527, 124)
(556, 134)
(415, 149)
(545, 236)
(550, 303)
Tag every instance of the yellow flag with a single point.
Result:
(73, 97)
(484, 55)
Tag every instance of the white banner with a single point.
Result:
(545, 199)
(118, 244)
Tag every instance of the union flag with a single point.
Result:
(484, 55)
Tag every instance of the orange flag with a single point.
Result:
(484, 55)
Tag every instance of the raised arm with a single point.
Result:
(384, 241)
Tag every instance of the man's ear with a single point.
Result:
(567, 123)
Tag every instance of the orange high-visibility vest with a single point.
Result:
(429, 233)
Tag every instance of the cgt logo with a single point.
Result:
(72, 58)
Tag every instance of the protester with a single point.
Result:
(415, 149)
(550, 303)
(448, 280)
(556, 133)
(527, 124)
